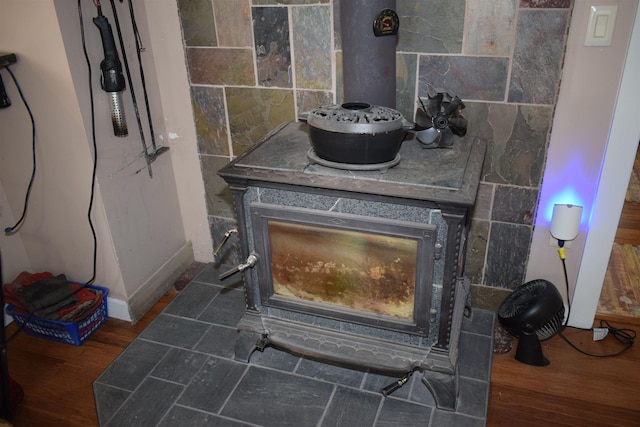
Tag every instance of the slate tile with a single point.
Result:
(108, 400)
(376, 382)
(474, 356)
(233, 22)
(312, 44)
(133, 365)
(514, 204)
(540, 33)
(210, 120)
(274, 358)
(481, 322)
(433, 27)
(219, 341)
(273, 52)
(399, 413)
(331, 373)
(507, 255)
(472, 397)
(349, 407)
(179, 365)
(481, 78)
(198, 28)
(226, 309)
(192, 300)
(212, 385)
(217, 192)
(220, 66)
(273, 398)
(180, 416)
(448, 418)
(147, 405)
(176, 331)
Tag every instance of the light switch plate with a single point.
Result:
(602, 20)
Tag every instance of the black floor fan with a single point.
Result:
(532, 313)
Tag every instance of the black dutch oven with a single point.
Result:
(357, 133)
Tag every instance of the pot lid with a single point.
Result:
(356, 117)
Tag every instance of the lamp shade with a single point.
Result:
(565, 222)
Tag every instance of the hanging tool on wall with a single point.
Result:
(112, 79)
(156, 151)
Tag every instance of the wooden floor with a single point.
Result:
(628, 232)
(57, 378)
(575, 390)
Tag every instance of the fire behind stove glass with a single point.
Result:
(356, 270)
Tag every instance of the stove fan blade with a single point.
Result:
(439, 120)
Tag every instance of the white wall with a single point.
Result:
(581, 137)
(138, 219)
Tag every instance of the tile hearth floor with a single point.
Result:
(180, 371)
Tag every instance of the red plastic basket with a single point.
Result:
(74, 333)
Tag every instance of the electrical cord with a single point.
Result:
(625, 336)
(93, 181)
(16, 227)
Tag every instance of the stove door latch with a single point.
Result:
(252, 259)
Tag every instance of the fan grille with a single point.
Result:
(527, 307)
(551, 327)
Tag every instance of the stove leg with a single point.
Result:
(443, 387)
(247, 342)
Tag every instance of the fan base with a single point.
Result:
(529, 350)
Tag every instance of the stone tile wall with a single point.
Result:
(254, 64)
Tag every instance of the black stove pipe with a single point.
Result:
(368, 61)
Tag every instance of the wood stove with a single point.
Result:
(364, 268)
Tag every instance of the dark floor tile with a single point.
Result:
(273, 398)
(192, 300)
(274, 358)
(211, 274)
(332, 373)
(472, 397)
(212, 385)
(176, 331)
(188, 275)
(108, 400)
(349, 407)
(480, 322)
(179, 365)
(226, 309)
(219, 341)
(147, 405)
(404, 414)
(133, 365)
(376, 382)
(474, 356)
(420, 393)
(448, 418)
(179, 416)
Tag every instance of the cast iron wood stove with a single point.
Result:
(359, 268)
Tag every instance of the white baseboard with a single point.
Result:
(118, 309)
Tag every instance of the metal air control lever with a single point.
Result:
(250, 262)
(218, 248)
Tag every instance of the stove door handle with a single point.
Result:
(252, 259)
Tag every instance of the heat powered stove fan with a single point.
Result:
(439, 120)
(532, 313)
